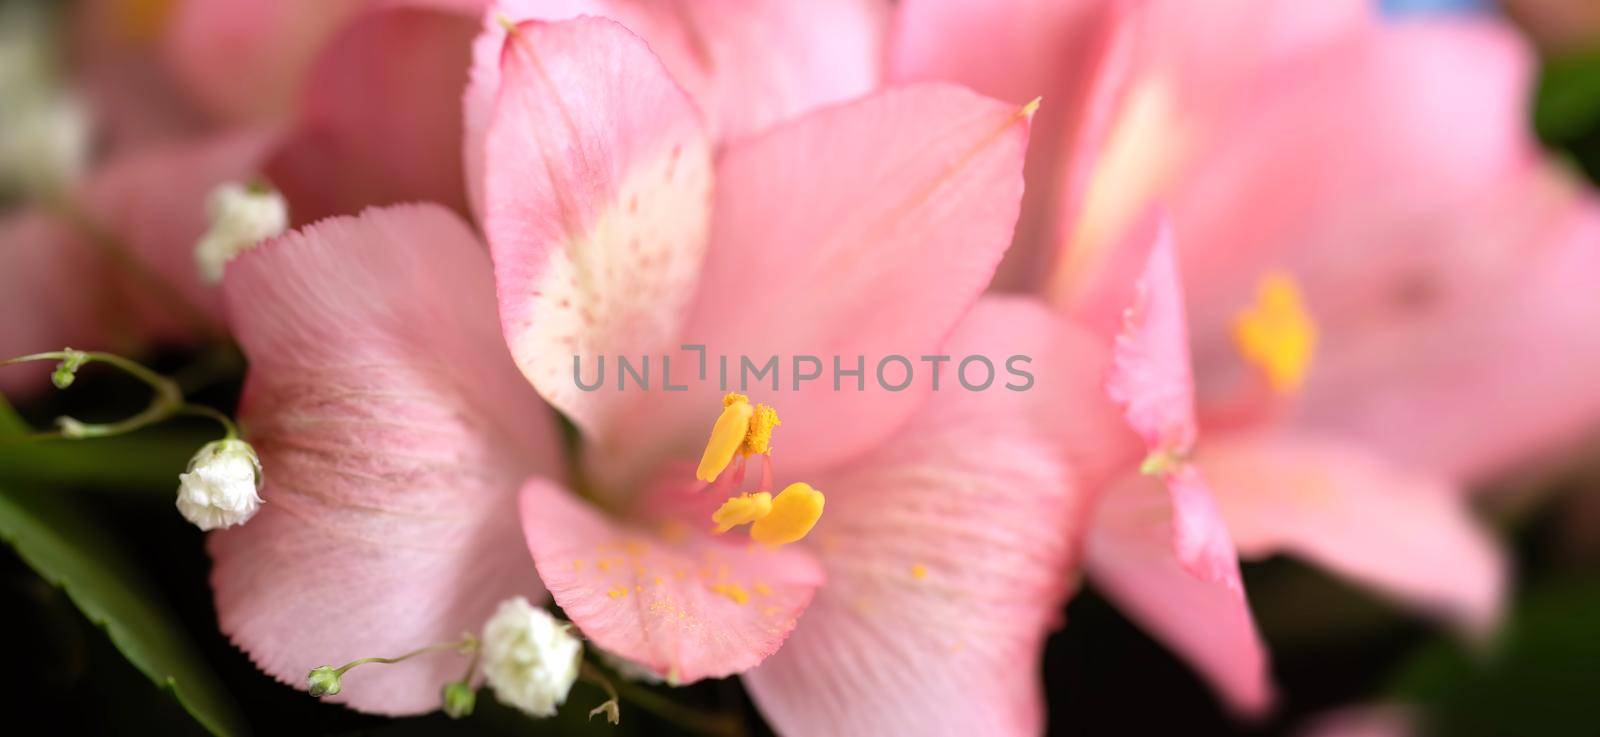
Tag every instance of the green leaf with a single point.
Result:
(1567, 103)
(1536, 681)
(146, 462)
(69, 550)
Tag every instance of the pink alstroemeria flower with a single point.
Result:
(402, 449)
(366, 99)
(1365, 231)
(85, 279)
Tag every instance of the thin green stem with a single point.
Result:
(230, 430)
(469, 643)
(167, 401)
(716, 724)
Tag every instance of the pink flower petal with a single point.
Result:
(865, 229)
(1411, 537)
(1431, 118)
(154, 202)
(1479, 354)
(394, 432)
(746, 63)
(1174, 73)
(1130, 558)
(950, 550)
(686, 606)
(243, 61)
(1019, 50)
(599, 186)
(1150, 380)
(1150, 375)
(378, 120)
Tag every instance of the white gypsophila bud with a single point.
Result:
(44, 144)
(221, 488)
(241, 216)
(530, 658)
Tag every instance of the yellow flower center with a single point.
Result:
(1276, 334)
(795, 511)
(742, 510)
(742, 429)
(746, 430)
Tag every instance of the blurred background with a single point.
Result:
(1335, 648)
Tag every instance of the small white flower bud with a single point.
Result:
(241, 216)
(220, 489)
(530, 659)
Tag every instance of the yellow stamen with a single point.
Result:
(1276, 333)
(742, 510)
(795, 511)
(727, 436)
(759, 438)
(919, 571)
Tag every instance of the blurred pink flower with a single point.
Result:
(66, 285)
(1366, 233)
(377, 121)
(386, 407)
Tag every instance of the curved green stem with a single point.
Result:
(689, 718)
(466, 644)
(168, 400)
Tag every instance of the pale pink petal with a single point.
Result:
(861, 230)
(1408, 536)
(950, 550)
(1199, 535)
(1481, 355)
(746, 63)
(1150, 375)
(1130, 559)
(378, 121)
(1430, 120)
(1174, 75)
(1017, 50)
(679, 602)
(243, 61)
(394, 432)
(1150, 380)
(599, 187)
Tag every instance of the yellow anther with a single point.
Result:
(727, 436)
(795, 511)
(742, 510)
(759, 438)
(1276, 333)
(919, 571)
